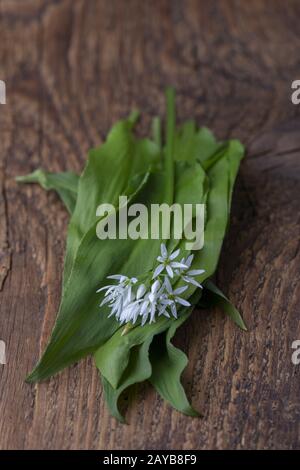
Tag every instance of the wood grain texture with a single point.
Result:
(71, 69)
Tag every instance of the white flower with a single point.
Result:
(141, 291)
(132, 309)
(188, 275)
(118, 296)
(152, 303)
(167, 262)
(172, 297)
(129, 300)
(130, 312)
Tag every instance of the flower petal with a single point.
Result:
(141, 291)
(128, 294)
(174, 310)
(158, 270)
(195, 272)
(190, 280)
(180, 290)
(144, 319)
(189, 260)
(152, 314)
(163, 250)
(105, 301)
(169, 270)
(118, 277)
(175, 264)
(168, 285)
(144, 307)
(102, 288)
(174, 254)
(181, 301)
(155, 286)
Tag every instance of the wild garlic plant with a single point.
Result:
(206, 174)
(130, 300)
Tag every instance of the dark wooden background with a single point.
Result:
(72, 68)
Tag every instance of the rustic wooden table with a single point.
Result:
(71, 69)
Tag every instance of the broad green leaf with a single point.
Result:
(236, 152)
(190, 183)
(124, 361)
(82, 327)
(192, 144)
(65, 184)
(168, 363)
(204, 171)
(221, 179)
(216, 297)
(120, 354)
(106, 177)
(191, 187)
(112, 358)
(221, 176)
(137, 370)
(206, 145)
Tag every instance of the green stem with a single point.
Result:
(133, 117)
(156, 131)
(169, 163)
(169, 151)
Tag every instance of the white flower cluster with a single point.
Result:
(130, 300)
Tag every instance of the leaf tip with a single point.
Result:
(192, 413)
(30, 379)
(34, 377)
(133, 117)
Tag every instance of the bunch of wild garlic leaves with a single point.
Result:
(189, 167)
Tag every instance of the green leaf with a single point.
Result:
(192, 144)
(138, 369)
(190, 188)
(206, 144)
(112, 358)
(106, 177)
(168, 363)
(82, 326)
(221, 175)
(190, 167)
(216, 297)
(117, 359)
(169, 149)
(221, 179)
(65, 184)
